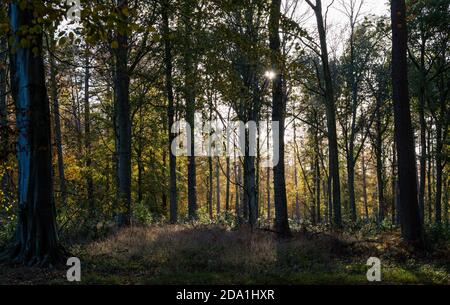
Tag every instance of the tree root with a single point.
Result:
(49, 259)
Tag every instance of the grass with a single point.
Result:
(184, 254)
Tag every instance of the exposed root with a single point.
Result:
(20, 255)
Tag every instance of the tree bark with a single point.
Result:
(122, 87)
(331, 117)
(410, 216)
(36, 239)
(87, 137)
(278, 115)
(4, 132)
(57, 126)
(364, 182)
(429, 181)
(170, 112)
(189, 92)
(379, 162)
(217, 187)
(423, 127)
(227, 190)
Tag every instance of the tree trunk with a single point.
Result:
(210, 187)
(410, 216)
(278, 115)
(395, 186)
(170, 113)
(189, 88)
(268, 172)
(317, 177)
(297, 199)
(237, 176)
(351, 185)
(331, 117)
(4, 132)
(122, 84)
(423, 127)
(36, 239)
(87, 137)
(249, 203)
(227, 190)
(218, 187)
(57, 126)
(379, 162)
(441, 133)
(364, 182)
(429, 181)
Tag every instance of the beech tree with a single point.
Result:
(36, 238)
(410, 219)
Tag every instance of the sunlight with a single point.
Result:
(270, 74)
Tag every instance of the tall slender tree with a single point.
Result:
(278, 115)
(333, 158)
(168, 58)
(123, 120)
(87, 134)
(189, 94)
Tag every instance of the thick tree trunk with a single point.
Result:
(410, 215)
(278, 115)
(36, 239)
(170, 113)
(331, 117)
(122, 83)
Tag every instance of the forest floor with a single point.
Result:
(201, 254)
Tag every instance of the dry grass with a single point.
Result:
(212, 254)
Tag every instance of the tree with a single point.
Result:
(189, 95)
(87, 135)
(36, 239)
(170, 111)
(123, 121)
(278, 115)
(333, 158)
(410, 218)
(4, 132)
(57, 122)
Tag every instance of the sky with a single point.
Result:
(337, 21)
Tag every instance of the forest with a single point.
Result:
(224, 141)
